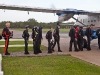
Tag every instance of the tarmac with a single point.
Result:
(88, 56)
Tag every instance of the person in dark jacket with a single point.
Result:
(56, 38)
(49, 35)
(6, 34)
(80, 38)
(73, 39)
(26, 38)
(0, 37)
(40, 38)
(33, 36)
(98, 34)
(36, 41)
(89, 35)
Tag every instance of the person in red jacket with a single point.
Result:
(76, 32)
(6, 34)
(73, 38)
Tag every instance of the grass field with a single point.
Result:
(45, 30)
(0, 31)
(18, 49)
(15, 42)
(48, 65)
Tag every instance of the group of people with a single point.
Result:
(36, 36)
(76, 35)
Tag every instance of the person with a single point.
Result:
(89, 35)
(73, 39)
(57, 37)
(40, 38)
(6, 34)
(26, 35)
(98, 34)
(36, 41)
(49, 38)
(80, 38)
(33, 36)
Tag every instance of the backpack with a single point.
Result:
(54, 33)
(23, 35)
(33, 35)
(0, 37)
(3, 34)
(47, 35)
(70, 32)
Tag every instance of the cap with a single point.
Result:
(27, 26)
(41, 27)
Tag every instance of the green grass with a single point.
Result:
(48, 65)
(1, 31)
(15, 42)
(45, 30)
(18, 49)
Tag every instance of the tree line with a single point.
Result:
(31, 23)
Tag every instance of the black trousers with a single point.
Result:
(88, 43)
(39, 42)
(72, 40)
(99, 43)
(6, 45)
(80, 43)
(36, 46)
(26, 45)
(56, 40)
(49, 46)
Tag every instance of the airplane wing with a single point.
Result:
(81, 12)
(48, 10)
(26, 8)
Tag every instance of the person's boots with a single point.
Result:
(7, 53)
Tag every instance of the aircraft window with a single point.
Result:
(91, 20)
(83, 20)
(88, 21)
(94, 20)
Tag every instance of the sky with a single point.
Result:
(13, 15)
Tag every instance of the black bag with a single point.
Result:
(0, 37)
(84, 43)
(3, 34)
(23, 35)
(46, 35)
(54, 33)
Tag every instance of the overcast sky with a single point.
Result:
(12, 15)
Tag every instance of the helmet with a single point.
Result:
(27, 26)
(36, 28)
(81, 27)
(74, 26)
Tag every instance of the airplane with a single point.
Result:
(85, 18)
